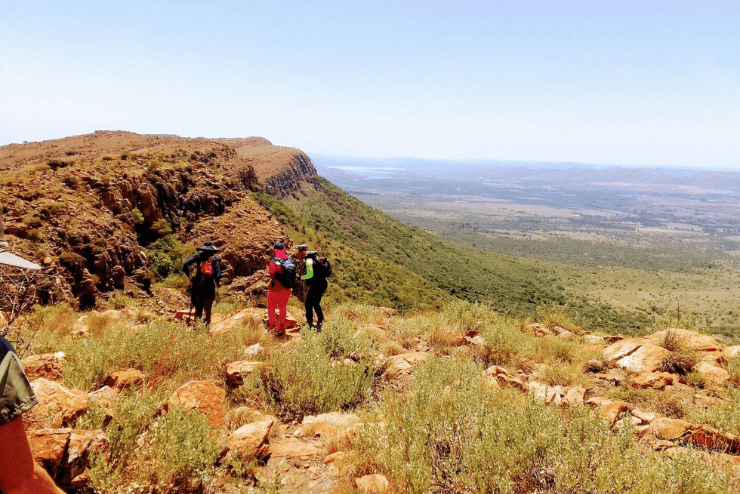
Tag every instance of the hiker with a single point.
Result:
(19, 473)
(282, 278)
(316, 271)
(205, 280)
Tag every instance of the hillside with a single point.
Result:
(439, 369)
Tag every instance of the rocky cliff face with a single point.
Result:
(300, 167)
(86, 213)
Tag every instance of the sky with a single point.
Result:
(642, 83)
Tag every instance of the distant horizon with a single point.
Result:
(522, 163)
(526, 163)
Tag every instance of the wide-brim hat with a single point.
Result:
(208, 247)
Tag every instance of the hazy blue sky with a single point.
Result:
(623, 82)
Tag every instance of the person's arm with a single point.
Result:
(186, 265)
(217, 270)
(19, 474)
(309, 269)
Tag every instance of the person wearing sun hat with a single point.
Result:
(205, 280)
(277, 292)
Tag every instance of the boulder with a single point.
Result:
(655, 380)
(668, 429)
(714, 377)
(620, 349)
(47, 366)
(58, 405)
(203, 397)
(65, 453)
(554, 395)
(598, 401)
(237, 371)
(372, 484)
(612, 412)
(103, 396)
(707, 437)
(404, 363)
(476, 340)
(125, 379)
(646, 358)
(645, 417)
(574, 396)
(539, 330)
(248, 441)
(689, 339)
(505, 380)
(320, 429)
(292, 448)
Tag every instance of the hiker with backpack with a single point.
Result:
(316, 271)
(282, 279)
(204, 281)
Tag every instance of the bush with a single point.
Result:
(318, 376)
(454, 434)
(172, 452)
(163, 351)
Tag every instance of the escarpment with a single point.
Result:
(88, 207)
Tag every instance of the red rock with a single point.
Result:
(65, 453)
(237, 371)
(668, 429)
(655, 380)
(714, 377)
(689, 339)
(292, 448)
(620, 349)
(47, 366)
(125, 379)
(402, 364)
(58, 405)
(713, 439)
(574, 397)
(647, 358)
(204, 397)
(611, 412)
(48, 446)
(248, 440)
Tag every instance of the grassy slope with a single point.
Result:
(509, 283)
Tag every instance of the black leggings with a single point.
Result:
(315, 291)
(203, 304)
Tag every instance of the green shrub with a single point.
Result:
(317, 376)
(452, 433)
(172, 452)
(137, 216)
(167, 354)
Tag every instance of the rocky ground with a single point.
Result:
(310, 455)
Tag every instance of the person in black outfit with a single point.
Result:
(317, 285)
(205, 280)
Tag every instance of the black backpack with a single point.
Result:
(321, 267)
(287, 277)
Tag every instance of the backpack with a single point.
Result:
(206, 267)
(322, 267)
(287, 277)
